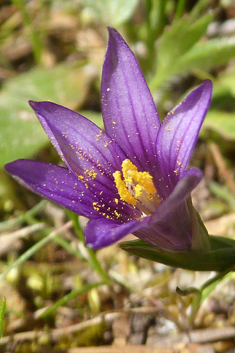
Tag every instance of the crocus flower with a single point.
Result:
(134, 176)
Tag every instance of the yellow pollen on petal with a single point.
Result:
(96, 206)
(91, 173)
(117, 213)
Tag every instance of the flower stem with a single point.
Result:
(2, 314)
(202, 293)
(93, 262)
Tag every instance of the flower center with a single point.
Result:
(136, 188)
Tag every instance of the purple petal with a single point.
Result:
(129, 113)
(86, 149)
(179, 132)
(170, 226)
(103, 232)
(58, 184)
(55, 183)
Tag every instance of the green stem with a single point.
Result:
(155, 24)
(199, 296)
(208, 286)
(179, 9)
(94, 263)
(74, 217)
(33, 35)
(2, 315)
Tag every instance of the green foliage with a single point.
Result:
(221, 122)
(207, 54)
(180, 50)
(221, 117)
(21, 134)
(177, 40)
(112, 12)
(174, 44)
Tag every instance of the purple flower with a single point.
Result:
(132, 177)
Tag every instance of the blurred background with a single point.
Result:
(54, 50)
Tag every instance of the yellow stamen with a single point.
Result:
(136, 188)
(131, 174)
(122, 190)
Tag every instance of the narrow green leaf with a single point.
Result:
(220, 257)
(36, 247)
(66, 298)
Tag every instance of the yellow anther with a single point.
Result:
(136, 188)
(133, 176)
(125, 195)
(128, 167)
(146, 181)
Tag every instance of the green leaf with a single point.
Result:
(224, 91)
(221, 122)
(21, 134)
(207, 54)
(227, 80)
(175, 42)
(222, 192)
(112, 12)
(219, 258)
(63, 301)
